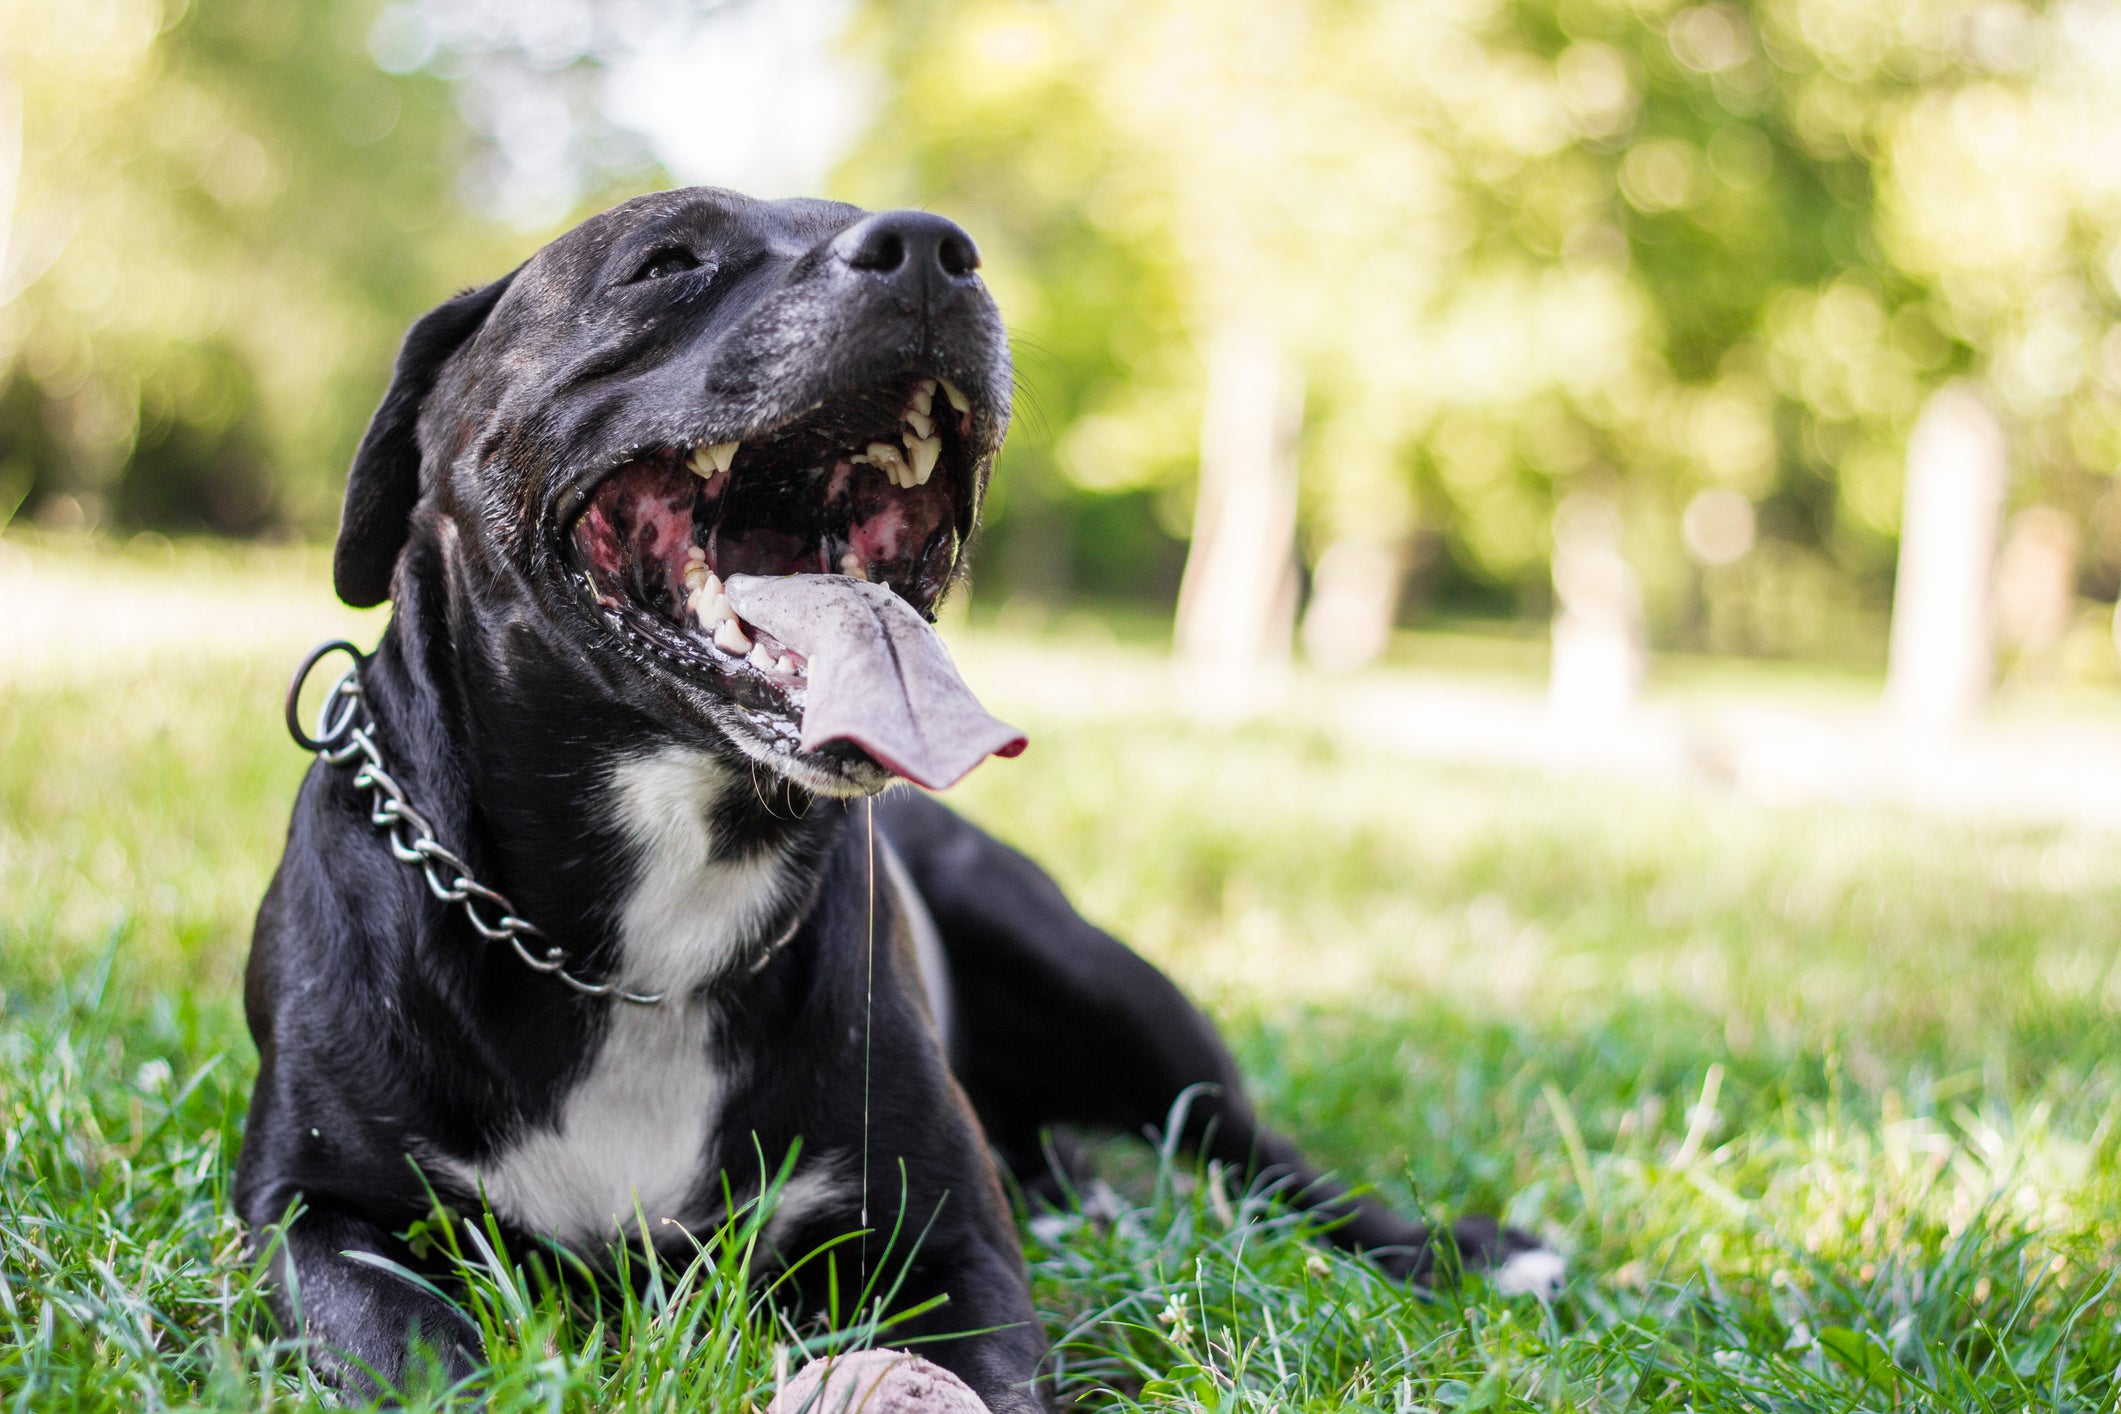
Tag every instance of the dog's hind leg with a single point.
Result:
(1058, 1022)
(369, 1331)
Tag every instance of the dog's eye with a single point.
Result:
(675, 260)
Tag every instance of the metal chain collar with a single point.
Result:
(346, 731)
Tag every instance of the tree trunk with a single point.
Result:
(1354, 601)
(1599, 646)
(1237, 601)
(1943, 655)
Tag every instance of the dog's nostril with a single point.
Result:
(957, 255)
(908, 246)
(883, 251)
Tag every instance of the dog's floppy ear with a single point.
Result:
(384, 484)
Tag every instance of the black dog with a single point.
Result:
(566, 698)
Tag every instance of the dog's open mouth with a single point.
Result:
(870, 487)
(834, 535)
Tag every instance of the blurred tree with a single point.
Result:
(1516, 249)
(1709, 256)
(223, 217)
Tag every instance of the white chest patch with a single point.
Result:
(634, 1132)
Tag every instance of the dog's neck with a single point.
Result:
(653, 860)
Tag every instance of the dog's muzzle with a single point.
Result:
(867, 501)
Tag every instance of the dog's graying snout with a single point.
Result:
(908, 247)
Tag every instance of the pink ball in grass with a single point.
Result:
(875, 1382)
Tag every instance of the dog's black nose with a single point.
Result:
(908, 246)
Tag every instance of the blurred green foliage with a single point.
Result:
(1517, 248)
(1520, 249)
(225, 216)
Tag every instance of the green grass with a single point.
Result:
(1821, 1102)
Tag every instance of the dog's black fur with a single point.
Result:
(391, 1035)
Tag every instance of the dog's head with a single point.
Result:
(691, 386)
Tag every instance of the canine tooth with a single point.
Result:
(892, 461)
(730, 639)
(717, 607)
(918, 419)
(924, 451)
(957, 399)
(722, 454)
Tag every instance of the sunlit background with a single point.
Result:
(1355, 321)
(1559, 558)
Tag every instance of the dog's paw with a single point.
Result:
(1513, 1262)
(875, 1382)
(1535, 1271)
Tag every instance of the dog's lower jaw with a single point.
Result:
(843, 773)
(847, 778)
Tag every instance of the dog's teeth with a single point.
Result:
(730, 639)
(923, 452)
(709, 604)
(786, 667)
(924, 397)
(892, 461)
(705, 461)
(957, 399)
(761, 658)
(696, 574)
(851, 566)
(918, 419)
(696, 553)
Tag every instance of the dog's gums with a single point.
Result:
(875, 486)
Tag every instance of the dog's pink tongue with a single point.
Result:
(879, 675)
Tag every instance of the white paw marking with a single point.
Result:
(1050, 1228)
(808, 1192)
(1538, 1272)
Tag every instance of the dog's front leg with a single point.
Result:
(986, 1294)
(371, 1332)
